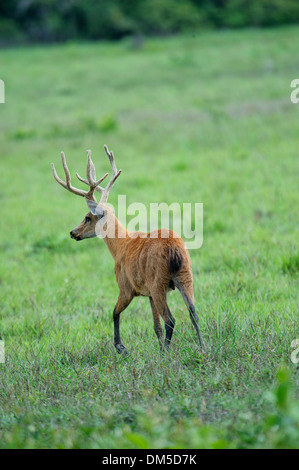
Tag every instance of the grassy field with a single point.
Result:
(202, 118)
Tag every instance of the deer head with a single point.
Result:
(86, 229)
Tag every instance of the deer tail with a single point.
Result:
(175, 260)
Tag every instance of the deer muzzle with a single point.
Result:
(75, 236)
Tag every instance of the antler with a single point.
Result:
(115, 175)
(91, 180)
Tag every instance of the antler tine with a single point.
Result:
(111, 159)
(115, 175)
(67, 185)
(91, 173)
(96, 182)
(90, 169)
(66, 171)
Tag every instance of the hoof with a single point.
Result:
(121, 349)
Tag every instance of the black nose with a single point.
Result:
(71, 235)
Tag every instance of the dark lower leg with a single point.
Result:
(157, 324)
(194, 320)
(159, 333)
(122, 303)
(169, 327)
(188, 296)
(117, 340)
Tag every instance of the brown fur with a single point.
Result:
(147, 264)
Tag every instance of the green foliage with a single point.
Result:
(104, 19)
(10, 31)
(290, 264)
(166, 16)
(279, 428)
(190, 119)
(56, 20)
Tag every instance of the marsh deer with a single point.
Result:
(147, 264)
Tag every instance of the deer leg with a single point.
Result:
(120, 306)
(194, 321)
(186, 291)
(157, 324)
(188, 296)
(169, 327)
(161, 307)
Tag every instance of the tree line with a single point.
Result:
(61, 20)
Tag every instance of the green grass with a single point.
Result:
(204, 118)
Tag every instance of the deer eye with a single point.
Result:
(87, 219)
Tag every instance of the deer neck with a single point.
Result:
(113, 233)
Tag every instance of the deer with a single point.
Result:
(146, 264)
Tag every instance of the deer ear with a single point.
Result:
(95, 208)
